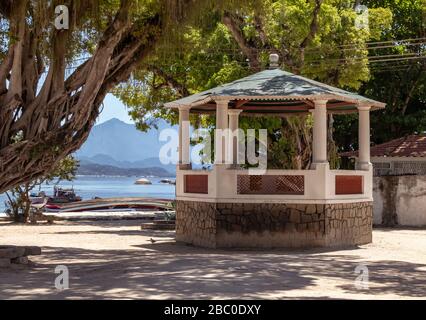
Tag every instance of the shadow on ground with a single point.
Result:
(168, 270)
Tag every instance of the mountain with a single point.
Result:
(122, 141)
(87, 168)
(120, 145)
(104, 159)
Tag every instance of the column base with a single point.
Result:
(317, 165)
(363, 166)
(187, 166)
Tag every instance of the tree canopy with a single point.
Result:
(148, 52)
(53, 80)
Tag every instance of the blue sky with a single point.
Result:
(114, 108)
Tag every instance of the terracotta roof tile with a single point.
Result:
(409, 146)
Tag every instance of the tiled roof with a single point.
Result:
(270, 84)
(409, 146)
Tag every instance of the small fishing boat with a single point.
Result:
(61, 195)
(167, 181)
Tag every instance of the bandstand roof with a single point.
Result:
(274, 92)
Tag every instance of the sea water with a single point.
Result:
(89, 187)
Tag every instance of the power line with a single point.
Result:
(368, 44)
(373, 48)
(371, 58)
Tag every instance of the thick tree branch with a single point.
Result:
(171, 82)
(43, 129)
(5, 8)
(250, 52)
(313, 28)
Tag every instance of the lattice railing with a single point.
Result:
(270, 184)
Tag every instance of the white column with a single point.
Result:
(364, 138)
(220, 134)
(233, 134)
(319, 144)
(184, 150)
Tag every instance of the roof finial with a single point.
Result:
(273, 61)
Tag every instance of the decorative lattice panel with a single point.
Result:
(349, 185)
(196, 183)
(270, 184)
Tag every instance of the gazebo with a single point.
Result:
(231, 207)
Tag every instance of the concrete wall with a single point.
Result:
(399, 200)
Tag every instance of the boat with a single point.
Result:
(112, 205)
(143, 181)
(61, 195)
(167, 181)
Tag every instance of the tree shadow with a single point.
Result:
(167, 270)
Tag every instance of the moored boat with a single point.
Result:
(167, 181)
(61, 195)
(143, 181)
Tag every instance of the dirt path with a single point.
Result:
(116, 260)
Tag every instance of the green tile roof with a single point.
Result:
(273, 84)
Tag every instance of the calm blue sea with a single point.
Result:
(89, 187)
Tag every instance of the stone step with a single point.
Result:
(17, 251)
(11, 256)
(159, 225)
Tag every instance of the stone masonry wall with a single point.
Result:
(349, 224)
(196, 223)
(273, 225)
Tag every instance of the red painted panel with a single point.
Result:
(195, 183)
(349, 185)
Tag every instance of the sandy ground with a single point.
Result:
(116, 260)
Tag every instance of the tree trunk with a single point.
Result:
(38, 129)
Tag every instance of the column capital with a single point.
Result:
(319, 102)
(184, 107)
(235, 112)
(221, 100)
(363, 107)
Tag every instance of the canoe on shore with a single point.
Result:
(113, 204)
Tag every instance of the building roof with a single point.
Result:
(275, 91)
(409, 146)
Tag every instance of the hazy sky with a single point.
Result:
(113, 108)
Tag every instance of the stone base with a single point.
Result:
(268, 225)
(11, 256)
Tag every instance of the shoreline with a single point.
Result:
(89, 187)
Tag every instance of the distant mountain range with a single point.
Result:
(115, 146)
(106, 170)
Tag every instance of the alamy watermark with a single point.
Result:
(362, 18)
(230, 147)
(362, 280)
(62, 281)
(62, 19)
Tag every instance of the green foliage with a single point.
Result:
(203, 54)
(400, 84)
